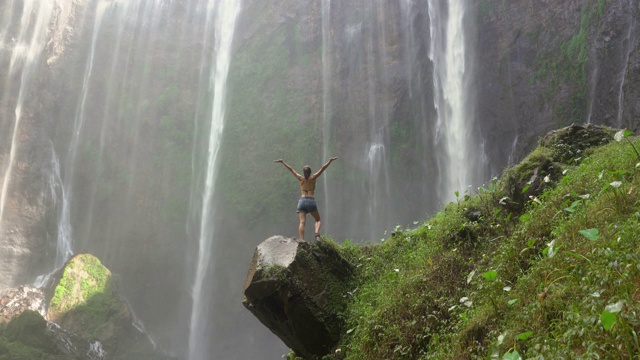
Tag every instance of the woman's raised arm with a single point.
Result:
(298, 176)
(324, 167)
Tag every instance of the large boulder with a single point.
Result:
(297, 289)
(84, 300)
(87, 318)
(544, 166)
(89, 313)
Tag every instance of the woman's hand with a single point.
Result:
(333, 158)
(279, 161)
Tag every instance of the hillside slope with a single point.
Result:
(542, 263)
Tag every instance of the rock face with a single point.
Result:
(542, 65)
(297, 289)
(15, 301)
(87, 318)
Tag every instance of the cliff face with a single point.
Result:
(29, 110)
(307, 81)
(545, 64)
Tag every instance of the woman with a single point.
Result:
(307, 202)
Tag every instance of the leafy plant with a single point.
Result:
(591, 234)
(624, 134)
(542, 293)
(609, 315)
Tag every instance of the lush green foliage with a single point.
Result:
(556, 278)
(85, 291)
(26, 338)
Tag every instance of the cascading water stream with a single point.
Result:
(625, 61)
(326, 92)
(64, 241)
(226, 12)
(28, 48)
(592, 83)
(377, 156)
(379, 184)
(512, 154)
(407, 8)
(64, 249)
(447, 52)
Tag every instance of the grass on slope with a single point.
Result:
(557, 278)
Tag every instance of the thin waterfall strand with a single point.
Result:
(63, 239)
(326, 90)
(623, 74)
(448, 56)
(226, 14)
(30, 44)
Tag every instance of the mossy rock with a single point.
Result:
(545, 165)
(571, 142)
(30, 329)
(297, 289)
(85, 303)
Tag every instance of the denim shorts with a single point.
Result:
(307, 204)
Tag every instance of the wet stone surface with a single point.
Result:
(14, 301)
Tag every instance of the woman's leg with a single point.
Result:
(303, 218)
(316, 216)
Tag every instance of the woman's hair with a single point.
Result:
(306, 171)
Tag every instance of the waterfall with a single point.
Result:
(592, 82)
(379, 113)
(64, 249)
(65, 237)
(628, 40)
(407, 8)
(27, 50)
(226, 12)
(378, 185)
(96, 352)
(326, 95)
(514, 151)
(453, 125)
(127, 123)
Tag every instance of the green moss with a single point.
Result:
(18, 351)
(565, 64)
(84, 296)
(26, 337)
(30, 330)
(423, 293)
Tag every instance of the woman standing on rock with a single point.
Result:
(307, 202)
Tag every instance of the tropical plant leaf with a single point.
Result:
(514, 355)
(524, 335)
(608, 319)
(591, 234)
(573, 206)
(490, 275)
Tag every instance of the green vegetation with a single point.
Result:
(269, 116)
(492, 277)
(26, 338)
(84, 298)
(568, 65)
